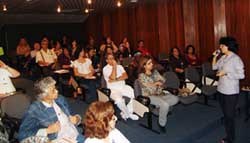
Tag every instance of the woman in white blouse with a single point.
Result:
(100, 123)
(84, 73)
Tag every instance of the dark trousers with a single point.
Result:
(90, 87)
(228, 106)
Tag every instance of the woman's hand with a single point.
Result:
(74, 119)
(54, 128)
(220, 73)
(158, 83)
(179, 70)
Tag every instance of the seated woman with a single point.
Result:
(100, 123)
(64, 59)
(6, 85)
(124, 48)
(191, 58)
(177, 63)
(84, 72)
(152, 86)
(94, 58)
(49, 116)
(23, 54)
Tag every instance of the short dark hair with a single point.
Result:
(230, 42)
(188, 47)
(172, 51)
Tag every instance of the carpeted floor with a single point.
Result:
(194, 123)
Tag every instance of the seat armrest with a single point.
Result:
(143, 100)
(106, 91)
(172, 90)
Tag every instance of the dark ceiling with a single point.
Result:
(45, 11)
(67, 6)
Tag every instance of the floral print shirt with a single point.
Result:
(151, 90)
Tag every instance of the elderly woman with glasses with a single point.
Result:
(49, 116)
(100, 124)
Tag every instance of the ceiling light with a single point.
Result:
(28, 0)
(89, 1)
(133, 1)
(58, 9)
(86, 10)
(4, 7)
(119, 4)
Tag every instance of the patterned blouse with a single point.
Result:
(152, 90)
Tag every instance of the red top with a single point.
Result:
(144, 51)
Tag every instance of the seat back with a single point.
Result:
(172, 80)
(208, 74)
(15, 105)
(162, 56)
(192, 75)
(126, 61)
(207, 69)
(24, 84)
(137, 88)
(192, 79)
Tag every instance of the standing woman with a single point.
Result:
(230, 70)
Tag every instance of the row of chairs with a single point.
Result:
(204, 84)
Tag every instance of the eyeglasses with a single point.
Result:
(114, 118)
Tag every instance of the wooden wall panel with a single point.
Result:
(191, 24)
(106, 25)
(147, 26)
(206, 28)
(163, 28)
(169, 23)
(219, 20)
(238, 23)
(176, 24)
(132, 28)
(94, 28)
(119, 23)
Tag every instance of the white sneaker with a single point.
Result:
(133, 117)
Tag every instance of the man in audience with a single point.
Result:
(46, 58)
(115, 77)
(6, 86)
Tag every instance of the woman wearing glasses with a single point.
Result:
(100, 123)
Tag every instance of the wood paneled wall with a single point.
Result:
(237, 25)
(169, 23)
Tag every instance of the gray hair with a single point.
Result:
(41, 86)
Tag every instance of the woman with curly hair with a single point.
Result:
(230, 70)
(100, 123)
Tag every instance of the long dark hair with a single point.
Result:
(142, 62)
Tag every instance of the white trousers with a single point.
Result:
(117, 95)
